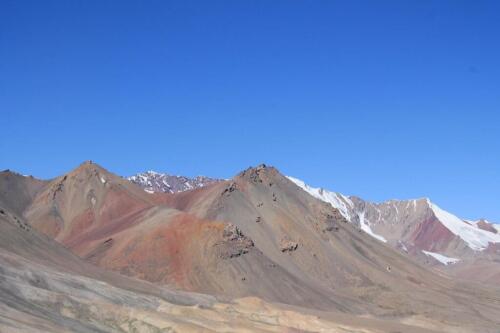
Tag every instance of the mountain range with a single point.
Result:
(93, 251)
(417, 227)
(424, 231)
(153, 181)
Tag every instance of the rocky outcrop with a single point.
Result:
(230, 188)
(260, 174)
(287, 245)
(485, 225)
(329, 221)
(58, 187)
(234, 243)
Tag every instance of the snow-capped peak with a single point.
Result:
(343, 203)
(152, 181)
(476, 238)
(476, 235)
(337, 200)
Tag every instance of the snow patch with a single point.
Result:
(396, 208)
(477, 239)
(149, 191)
(441, 258)
(103, 180)
(339, 201)
(365, 226)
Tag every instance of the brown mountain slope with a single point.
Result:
(115, 224)
(89, 197)
(258, 234)
(45, 288)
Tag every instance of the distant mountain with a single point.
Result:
(152, 182)
(417, 227)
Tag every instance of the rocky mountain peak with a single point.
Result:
(152, 181)
(259, 174)
(413, 226)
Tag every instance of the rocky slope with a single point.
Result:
(152, 181)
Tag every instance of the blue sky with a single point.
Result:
(381, 99)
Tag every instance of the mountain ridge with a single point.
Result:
(417, 227)
(258, 234)
(154, 182)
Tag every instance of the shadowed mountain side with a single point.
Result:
(17, 191)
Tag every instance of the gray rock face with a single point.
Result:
(287, 245)
(152, 181)
(234, 242)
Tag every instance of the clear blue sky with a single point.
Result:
(381, 99)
